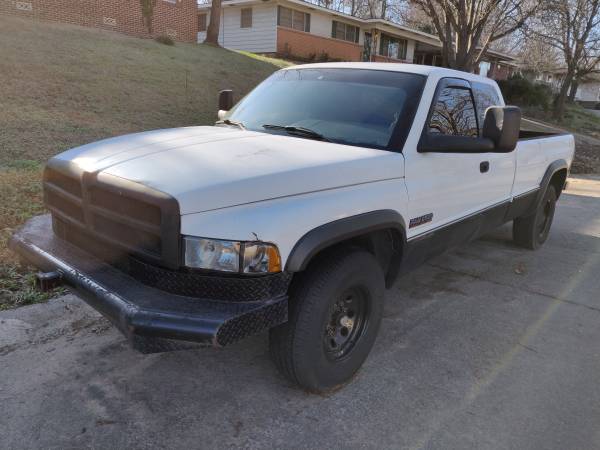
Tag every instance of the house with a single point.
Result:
(174, 18)
(588, 88)
(588, 91)
(300, 30)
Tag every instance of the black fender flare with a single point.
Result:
(553, 168)
(340, 230)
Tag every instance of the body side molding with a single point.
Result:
(340, 230)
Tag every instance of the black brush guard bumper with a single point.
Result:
(142, 313)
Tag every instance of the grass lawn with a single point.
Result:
(64, 86)
(577, 119)
(586, 127)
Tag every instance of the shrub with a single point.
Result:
(523, 92)
(322, 57)
(287, 51)
(164, 39)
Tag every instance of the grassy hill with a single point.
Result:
(64, 86)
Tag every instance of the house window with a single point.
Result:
(201, 22)
(340, 30)
(291, 18)
(392, 47)
(246, 18)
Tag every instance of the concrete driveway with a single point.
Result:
(489, 346)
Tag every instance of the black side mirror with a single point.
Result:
(502, 126)
(225, 100)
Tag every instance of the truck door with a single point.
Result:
(450, 189)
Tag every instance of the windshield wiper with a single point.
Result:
(231, 122)
(298, 131)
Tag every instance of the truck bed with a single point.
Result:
(538, 146)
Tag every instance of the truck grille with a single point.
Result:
(123, 214)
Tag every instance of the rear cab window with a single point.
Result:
(485, 96)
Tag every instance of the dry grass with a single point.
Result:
(21, 198)
(64, 86)
(585, 125)
(577, 119)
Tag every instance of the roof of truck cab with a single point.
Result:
(397, 67)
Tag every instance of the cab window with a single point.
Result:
(454, 113)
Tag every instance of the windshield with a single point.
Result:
(368, 108)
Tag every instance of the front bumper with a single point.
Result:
(141, 312)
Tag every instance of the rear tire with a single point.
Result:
(532, 231)
(335, 312)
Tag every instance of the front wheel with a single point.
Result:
(532, 231)
(335, 313)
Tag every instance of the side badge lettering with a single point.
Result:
(420, 220)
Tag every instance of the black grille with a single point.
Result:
(128, 235)
(63, 205)
(121, 204)
(69, 184)
(121, 213)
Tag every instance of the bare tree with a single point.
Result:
(572, 27)
(536, 55)
(366, 9)
(467, 28)
(212, 32)
(413, 16)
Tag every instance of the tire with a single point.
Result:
(340, 291)
(532, 231)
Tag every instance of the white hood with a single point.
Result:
(208, 168)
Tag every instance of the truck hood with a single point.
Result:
(208, 168)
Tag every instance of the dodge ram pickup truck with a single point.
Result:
(295, 211)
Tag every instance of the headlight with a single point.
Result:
(212, 254)
(231, 256)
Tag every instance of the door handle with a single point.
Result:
(484, 166)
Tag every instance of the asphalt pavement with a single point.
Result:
(489, 346)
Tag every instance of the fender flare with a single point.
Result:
(554, 167)
(340, 230)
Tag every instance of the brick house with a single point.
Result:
(300, 30)
(175, 18)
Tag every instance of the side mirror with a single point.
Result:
(225, 100)
(502, 126)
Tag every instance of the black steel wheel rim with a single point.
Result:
(346, 323)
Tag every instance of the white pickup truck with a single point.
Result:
(295, 211)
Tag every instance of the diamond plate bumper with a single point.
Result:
(140, 311)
